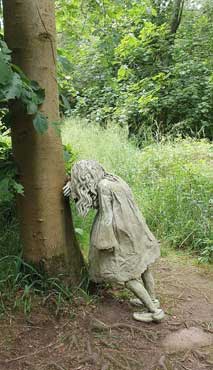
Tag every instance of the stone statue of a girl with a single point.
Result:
(121, 245)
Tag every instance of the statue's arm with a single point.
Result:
(105, 236)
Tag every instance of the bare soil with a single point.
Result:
(100, 334)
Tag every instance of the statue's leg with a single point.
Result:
(154, 313)
(149, 285)
(137, 288)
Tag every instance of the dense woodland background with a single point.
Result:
(144, 64)
(135, 84)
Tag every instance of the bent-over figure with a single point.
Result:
(121, 245)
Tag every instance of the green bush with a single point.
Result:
(136, 72)
(9, 235)
(70, 157)
(172, 182)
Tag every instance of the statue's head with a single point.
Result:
(85, 176)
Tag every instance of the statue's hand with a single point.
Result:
(67, 189)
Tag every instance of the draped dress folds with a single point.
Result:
(121, 244)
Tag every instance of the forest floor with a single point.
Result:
(76, 340)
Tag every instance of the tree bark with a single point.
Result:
(0, 16)
(176, 16)
(45, 219)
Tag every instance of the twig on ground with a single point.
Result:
(89, 348)
(115, 362)
(74, 342)
(200, 355)
(130, 359)
(92, 358)
(187, 353)
(175, 323)
(30, 354)
(57, 366)
(108, 345)
(181, 294)
(162, 362)
(126, 362)
(105, 366)
(100, 326)
(185, 367)
(88, 359)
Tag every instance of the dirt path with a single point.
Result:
(77, 341)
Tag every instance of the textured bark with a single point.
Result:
(46, 226)
(176, 15)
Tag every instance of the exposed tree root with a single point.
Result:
(98, 325)
(30, 354)
(115, 362)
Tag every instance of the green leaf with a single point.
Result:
(32, 108)
(35, 86)
(5, 72)
(18, 188)
(39, 92)
(67, 156)
(29, 95)
(65, 101)
(4, 186)
(40, 123)
(15, 88)
(5, 51)
(79, 231)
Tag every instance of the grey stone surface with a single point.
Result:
(186, 339)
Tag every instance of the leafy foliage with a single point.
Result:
(8, 171)
(9, 186)
(15, 85)
(119, 61)
(70, 156)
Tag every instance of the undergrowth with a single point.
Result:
(172, 182)
(21, 283)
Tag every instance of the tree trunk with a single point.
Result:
(45, 220)
(176, 16)
(174, 24)
(0, 16)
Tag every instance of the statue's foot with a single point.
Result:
(158, 315)
(149, 316)
(138, 303)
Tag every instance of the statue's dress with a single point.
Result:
(119, 225)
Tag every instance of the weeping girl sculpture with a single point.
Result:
(121, 245)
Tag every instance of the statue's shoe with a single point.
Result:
(138, 303)
(149, 316)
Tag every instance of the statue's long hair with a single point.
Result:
(85, 176)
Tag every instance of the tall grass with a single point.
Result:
(172, 182)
